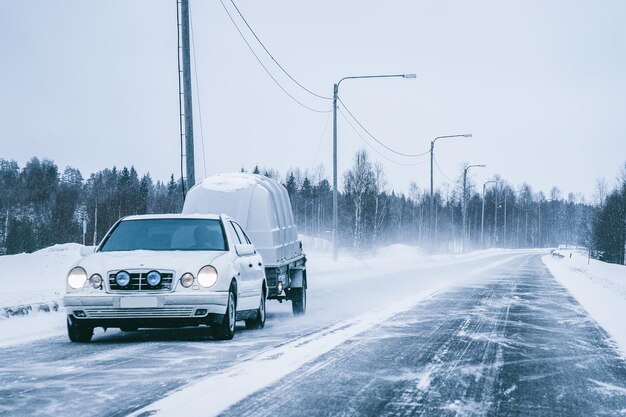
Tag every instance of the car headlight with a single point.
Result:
(76, 278)
(207, 277)
(186, 280)
(153, 278)
(122, 278)
(95, 281)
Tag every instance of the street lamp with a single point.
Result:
(467, 168)
(335, 192)
(482, 220)
(432, 197)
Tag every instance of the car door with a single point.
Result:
(257, 261)
(245, 266)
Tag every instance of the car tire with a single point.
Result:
(298, 300)
(129, 328)
(258, 322)
(79, 333)
(226, 329)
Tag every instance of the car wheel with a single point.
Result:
(78, 332)
(258, 322)
(298, 301)
(226, 329)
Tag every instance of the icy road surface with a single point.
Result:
(494, 335)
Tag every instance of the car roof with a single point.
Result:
(172, 216)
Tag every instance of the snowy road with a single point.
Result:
(494, 335)
(515, 344)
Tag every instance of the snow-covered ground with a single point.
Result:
(29, 281)
(347, 299)
(33, 284)
(599, 286)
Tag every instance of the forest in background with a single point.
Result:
(41, 206)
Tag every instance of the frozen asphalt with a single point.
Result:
(512, 343)
(516, 344)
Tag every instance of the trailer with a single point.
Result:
(261, 206)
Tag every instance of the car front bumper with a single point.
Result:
(146, 310)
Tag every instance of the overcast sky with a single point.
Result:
(541, 85)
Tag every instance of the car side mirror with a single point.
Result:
(244, 250)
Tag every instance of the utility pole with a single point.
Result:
(464, 208)
(432, 192)
(95, 224)
(482, 220)
(186, 58)
(504, 239)
(335, 191)
(495, 216)
(335, 233)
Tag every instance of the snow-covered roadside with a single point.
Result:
(32, 283)
(35, 282)
(600, 288)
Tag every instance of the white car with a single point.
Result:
(168, 271)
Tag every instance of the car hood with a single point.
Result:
(179, 261)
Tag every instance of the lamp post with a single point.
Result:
(482, 220)
(432, 199)
(495, 216)
(335, 191)
(467, 168)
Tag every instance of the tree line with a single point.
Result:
(40, 206)
(608, 226)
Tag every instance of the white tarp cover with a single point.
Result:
(259, 204)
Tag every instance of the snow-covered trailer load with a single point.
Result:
(261, 205)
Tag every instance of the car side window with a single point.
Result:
(241, 233)
(236, 233)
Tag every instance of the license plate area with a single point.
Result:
(139, 302)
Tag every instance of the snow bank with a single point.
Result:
(599, 286)
(35, 281)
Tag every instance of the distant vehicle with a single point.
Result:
(261, 205)
(168, 271)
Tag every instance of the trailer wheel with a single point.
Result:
(298, 300)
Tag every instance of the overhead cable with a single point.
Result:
(376, 139)
(319, 146)
(195, 69)
(372, 147)
(263, 65)
(441, 170)
(274, 59)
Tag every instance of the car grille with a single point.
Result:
(138, 282)
(115, 313)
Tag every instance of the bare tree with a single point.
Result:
(380, 203)
(358, 182)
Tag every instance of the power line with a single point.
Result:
(372, 147)
(441, 171)
(263, 65)
(195, 68)
(274, 59)
(319, 146)
(378, 141)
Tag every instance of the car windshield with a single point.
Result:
(166, 234)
